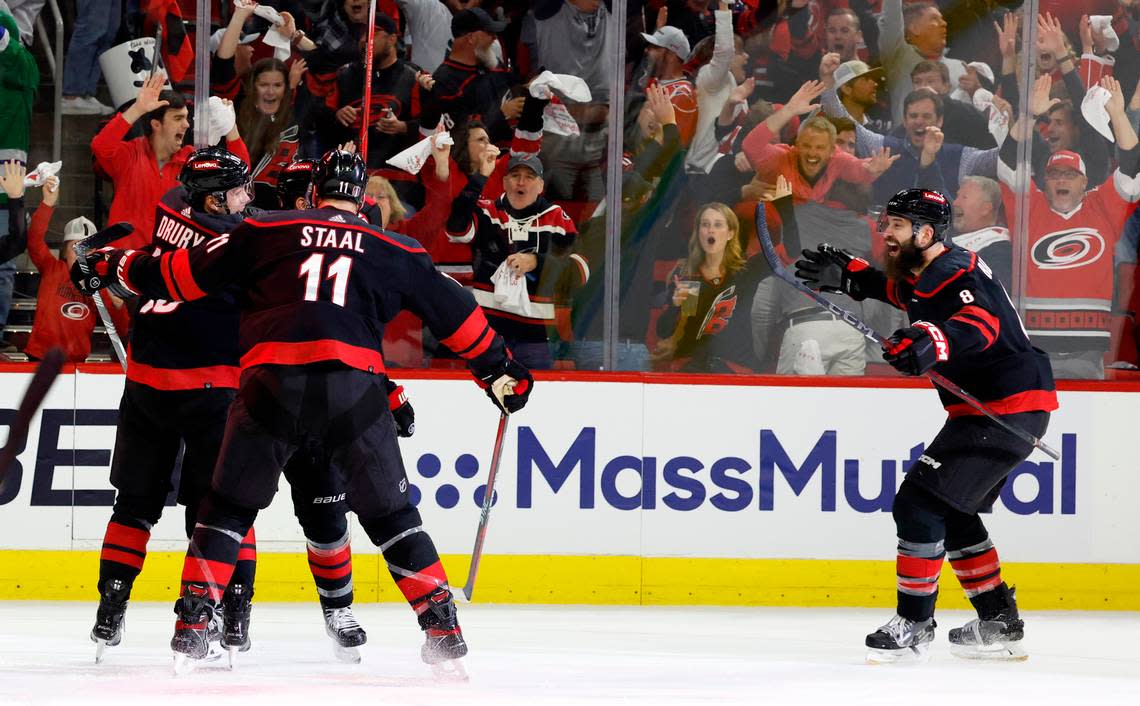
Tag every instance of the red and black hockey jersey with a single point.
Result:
(979, 339)
(319, 286)
(178, 345)
(393, 88)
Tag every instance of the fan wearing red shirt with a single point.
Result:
(64, 317)
(145, 168)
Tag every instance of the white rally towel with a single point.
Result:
(558, 121)
(572, 87)
(1103, 24)
(41, 173)
(510, 291)
(412, 159)
(1093, 108)
(222, 120)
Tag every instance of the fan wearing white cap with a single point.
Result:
(665, 56)
(857, 85)
(1073, 233)
(64, 318)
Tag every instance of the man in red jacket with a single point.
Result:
(145, 168)
(64, 317)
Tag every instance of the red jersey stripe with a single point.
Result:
(183, 277)
(1028, 401)
(303, 353)
(225, 376)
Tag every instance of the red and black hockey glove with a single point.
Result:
(830, 269)
(917, 348)
(508, 385)
(402, 410)
(102, 273)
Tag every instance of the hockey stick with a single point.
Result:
(42, 380)
(367, 104)
(82, 249)
(485, 514)
(849, 318)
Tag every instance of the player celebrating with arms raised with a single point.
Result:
(965, 327)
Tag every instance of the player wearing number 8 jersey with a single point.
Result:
(317, 288)
(964, 326)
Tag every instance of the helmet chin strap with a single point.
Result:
(915, 228)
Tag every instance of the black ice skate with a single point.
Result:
(901, 640)
(996, 633)
(110, 617)
(197, 623)
(236, 607)
(346, 634)
(444, 646)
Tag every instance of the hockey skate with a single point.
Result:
(197, 624)
(346, 634)
(236, 607)
(444, 646)
(996, 633)
(110, 617)
(901, 640)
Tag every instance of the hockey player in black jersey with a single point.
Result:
(181, 379)
(318, 287)
(964, 326)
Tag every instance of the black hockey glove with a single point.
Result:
(508, 385)
(917, 348)
(101, 273)
(830, 269)
(402, 410)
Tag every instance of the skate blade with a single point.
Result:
(450, 671)
(906, 655)
(231, 656)
(184, 664)
(214, 652)
(347, 655)
(997, 652)
(100, 646)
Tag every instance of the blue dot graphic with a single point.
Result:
(466, 466)
(414, 495)
(447, 496)
(481, 492)
(429, 465)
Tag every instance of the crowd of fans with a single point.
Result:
(815, 110)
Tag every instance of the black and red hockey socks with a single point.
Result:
(246, 564)
(410, 554)
(124, 550)
(977, 567)
(331, 564)
(917, 568)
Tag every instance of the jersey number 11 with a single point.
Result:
(338, 272)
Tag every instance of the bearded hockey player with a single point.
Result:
(318, 287)
(964, 327)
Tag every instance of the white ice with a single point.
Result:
(566, 655)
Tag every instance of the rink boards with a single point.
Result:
(631, 489)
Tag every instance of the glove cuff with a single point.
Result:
(938, 337)
(397, 398)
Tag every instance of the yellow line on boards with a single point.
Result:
(598, 580)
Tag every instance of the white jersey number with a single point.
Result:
(338, 272)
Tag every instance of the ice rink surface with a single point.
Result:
(566, 655)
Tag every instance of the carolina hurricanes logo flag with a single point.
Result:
(177, 51)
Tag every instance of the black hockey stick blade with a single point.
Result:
(485, 514)
(101, 239)
(781, 271)
(84, 248)
(46, 373)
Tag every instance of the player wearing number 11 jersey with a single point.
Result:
(316, 289)
(964, 326)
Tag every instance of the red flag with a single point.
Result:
(177, 51)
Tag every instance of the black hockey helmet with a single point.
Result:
(920, 207)
(212, 170)
(294, 180)
(340, 175)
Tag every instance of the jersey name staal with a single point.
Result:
(318, 237)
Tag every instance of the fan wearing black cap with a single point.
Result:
(531, 238)
(471, 82)
(964, 326)
(395, 105)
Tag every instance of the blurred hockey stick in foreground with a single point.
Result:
(82, 249)
(847, 317)
(42, 380)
